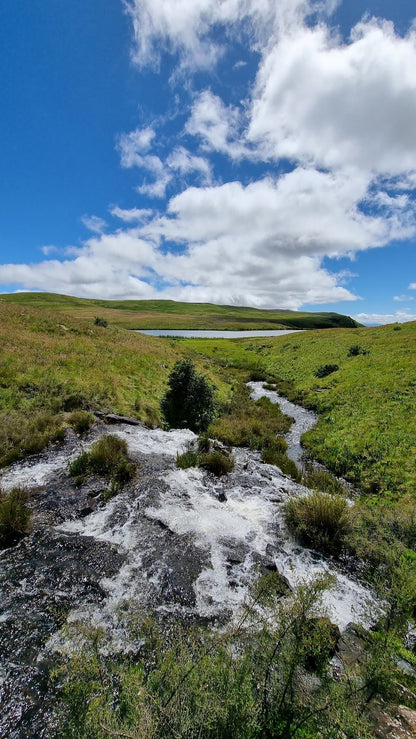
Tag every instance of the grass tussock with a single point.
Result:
(187, 459)
(319, 520)
(218, 462)
(244, 422)
(323, 481)
(80, 421)
(107, 458)
(271, 455)
(14, 516)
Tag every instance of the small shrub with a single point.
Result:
(355, 350)
(397, 328)
(259, 375)
(98, 321)
(186, 460)
(320, 521)
(326, 369)
(14, 516)
(217, 462)
(80, 421)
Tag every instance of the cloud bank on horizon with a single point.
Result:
(283, 144)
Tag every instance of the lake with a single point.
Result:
(195, 334)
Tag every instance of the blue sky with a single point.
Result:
(230, 151)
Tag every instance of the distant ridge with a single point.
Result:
(169, 314)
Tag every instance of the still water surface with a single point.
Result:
(195, 334)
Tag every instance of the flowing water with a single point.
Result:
(182, 542)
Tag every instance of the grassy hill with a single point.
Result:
(168, 314)
(367, 425)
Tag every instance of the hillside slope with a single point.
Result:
(168, 314)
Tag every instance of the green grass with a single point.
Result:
(218, 462)
(367, 422)
(243, 422)
(52, 364)
(168, 314)
(108, 458)
(319, 520)
(14, 516)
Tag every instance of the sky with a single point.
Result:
(241, 152)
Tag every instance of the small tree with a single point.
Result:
(189, 402)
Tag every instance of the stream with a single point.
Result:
(182, 542)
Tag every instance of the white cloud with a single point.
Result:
(133, 145)
(261, 245)
(132, 215)
(217, 125)
(134, 148)
(94, 223)
(402, 298)
(333, 104)
(157, 188)
(50, 249)
(380, 319)
(183, 161)
(412, 286)
(185, 26)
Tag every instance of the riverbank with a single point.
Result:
(180, 544)
(53, 363)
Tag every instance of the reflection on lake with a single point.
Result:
(195, 334)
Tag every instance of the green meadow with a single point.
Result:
(367, 424)
(168, 314)
(53, 362)
(57, 367)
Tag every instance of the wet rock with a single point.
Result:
(395, 722)
(351, 646)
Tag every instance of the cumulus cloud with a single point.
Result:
(380, 319)
(94, 223)
(262, 244)
(185, 27)
(131, 215)
(402, 298)
(342, 111)
(181, 160)
(217, 125)
(338, 104)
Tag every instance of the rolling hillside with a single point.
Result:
(168, 314)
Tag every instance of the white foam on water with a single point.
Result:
(31, 474)
(304, 419)
(36, 472)
(155, 441)
(233, 535)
